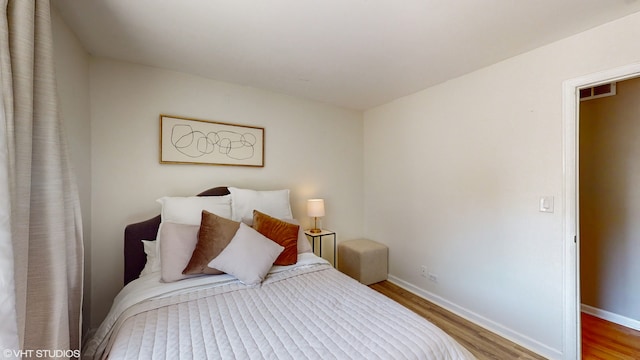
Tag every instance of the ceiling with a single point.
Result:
(355, 54)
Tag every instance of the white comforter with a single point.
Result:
(304, 311)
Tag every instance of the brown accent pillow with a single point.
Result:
(214, 235)
(281, 232)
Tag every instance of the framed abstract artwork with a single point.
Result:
(194, 141)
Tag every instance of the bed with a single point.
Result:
(303, 310)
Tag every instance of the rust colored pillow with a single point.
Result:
(281, 232)
(214, 235)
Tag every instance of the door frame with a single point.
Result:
(571, 233)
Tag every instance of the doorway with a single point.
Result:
(608, 209)
(572, 238)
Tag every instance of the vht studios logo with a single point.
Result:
(41, 353)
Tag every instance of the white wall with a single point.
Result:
(72, 73)
(453, 175)
(313, 149)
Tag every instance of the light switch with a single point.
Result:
(546, 204)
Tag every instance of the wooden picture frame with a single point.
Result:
(195, 141)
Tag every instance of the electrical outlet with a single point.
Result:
(433, 277)
(423, 270)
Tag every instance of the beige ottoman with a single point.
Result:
(364, 260)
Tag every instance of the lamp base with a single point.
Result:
(315, 231)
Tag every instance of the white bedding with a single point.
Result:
(304, 311)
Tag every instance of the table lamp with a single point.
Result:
(315, 209)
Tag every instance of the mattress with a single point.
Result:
(304, 311)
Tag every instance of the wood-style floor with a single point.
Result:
(482, 343)
(605, 340)
(601, 340)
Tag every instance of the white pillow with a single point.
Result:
(176, 247)
(188, 210)
(153, 262)
(249, 256)
(274, 203)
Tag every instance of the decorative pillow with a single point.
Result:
(188, 210)
(281, 232)
(248, 257)
(177, 242)
(153, 262)
(303, 242)
(274, 203)
(215, 234)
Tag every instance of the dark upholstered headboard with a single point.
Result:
(134, 256)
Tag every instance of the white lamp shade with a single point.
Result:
(315, 207)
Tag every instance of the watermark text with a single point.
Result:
(40, 353)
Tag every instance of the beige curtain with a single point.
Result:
(45, 219)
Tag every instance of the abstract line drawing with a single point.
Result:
(186, 141)
(192, 143)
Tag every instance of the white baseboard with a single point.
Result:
(501, 330)
(611, 317)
